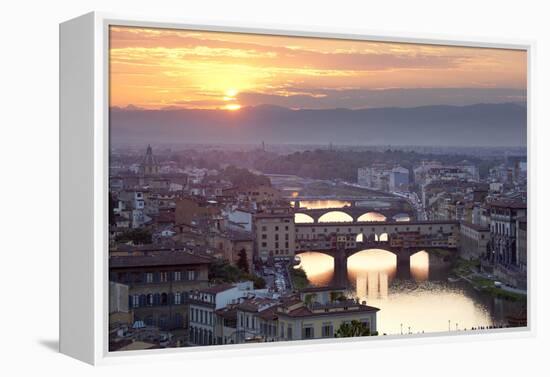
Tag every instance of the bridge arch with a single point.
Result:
(390, 257)
(335, 217)
(419, 263)
(302, 218)
(372, 216)
(401, 217)
(382, 237)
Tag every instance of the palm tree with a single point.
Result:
(355, 328)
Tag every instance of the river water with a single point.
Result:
(416, 298)
(412, 298)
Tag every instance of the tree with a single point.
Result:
(336, 296)
(242, 262)
(220, 270)
(299, 278)
(309, 299)
(353, 329)
(259, 282)
(136, 236)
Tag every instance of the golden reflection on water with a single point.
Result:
(319, 267)
(372, 271)
(372, 216)
(420, 266)
(301, 218)
(402, 217)
(418, 303)
(335, 216)
(319, 204)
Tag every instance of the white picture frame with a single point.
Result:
(84, 150)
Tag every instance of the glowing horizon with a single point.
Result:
(167, 68)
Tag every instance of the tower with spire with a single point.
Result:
(149, 164)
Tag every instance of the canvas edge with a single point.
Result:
(76, 191)
(102, 21)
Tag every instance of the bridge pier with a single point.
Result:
(403, 263)
(340, 268)
(403, 269)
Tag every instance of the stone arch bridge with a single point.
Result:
(342, 240)
(356, 212)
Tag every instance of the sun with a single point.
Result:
(231, 93)
(232, 107)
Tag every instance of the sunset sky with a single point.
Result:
(162, 68)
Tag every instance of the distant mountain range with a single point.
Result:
(476, 125)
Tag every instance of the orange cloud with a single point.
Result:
(156, 68)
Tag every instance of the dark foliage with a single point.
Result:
(137, 236)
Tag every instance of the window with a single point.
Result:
(276, 228)
(149, 300)
(135, 301)
(178, 320)
(327, 330)
(164, 277)
(264, 244)
(276, 237)
(264, 236)
(289, 332)
(177, 298)
(149, 277)
(191, 275)
(177, 275)
(286, 236)
(264, 228)
(286, 227)
(308, 332)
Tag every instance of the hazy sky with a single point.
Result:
(162, 68)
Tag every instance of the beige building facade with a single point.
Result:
(275, 235)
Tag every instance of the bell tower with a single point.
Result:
(149, 164)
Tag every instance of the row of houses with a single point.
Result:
(170, 291)
(257, 316)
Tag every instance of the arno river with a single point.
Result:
(412, 298)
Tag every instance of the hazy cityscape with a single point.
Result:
(271, 211)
